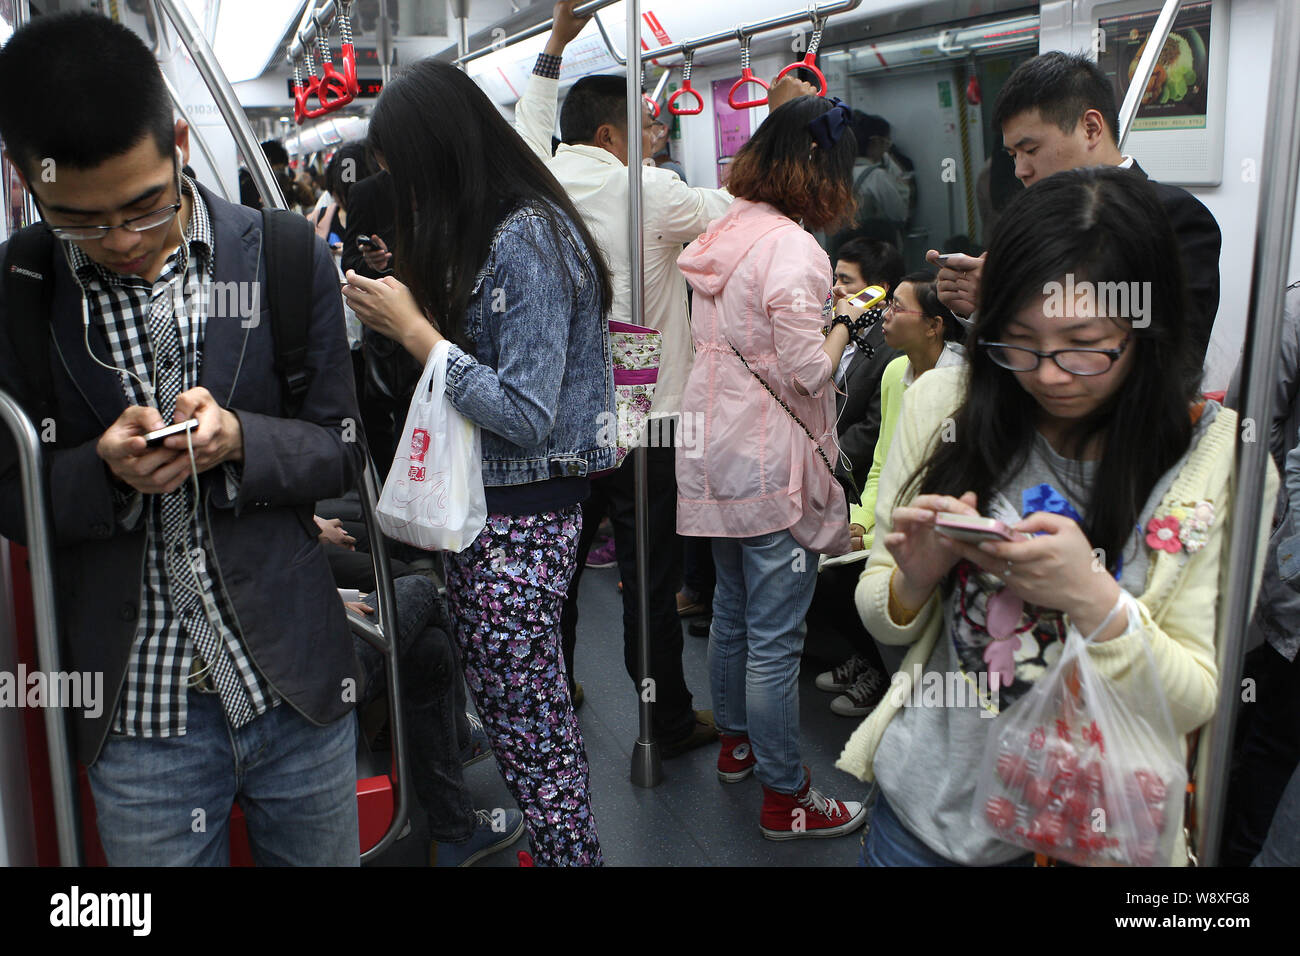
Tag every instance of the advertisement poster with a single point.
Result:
(1177, 94)
(732, 126)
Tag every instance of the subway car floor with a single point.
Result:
(690, 818)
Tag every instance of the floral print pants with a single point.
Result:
(505, 593)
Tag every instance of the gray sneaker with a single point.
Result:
(841, 678)
(862, 698)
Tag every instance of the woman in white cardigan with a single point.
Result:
(1079, 424)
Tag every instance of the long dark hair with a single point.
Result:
(1101, 224)
(458, 169)
(774, 167)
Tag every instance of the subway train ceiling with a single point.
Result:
(250, 36)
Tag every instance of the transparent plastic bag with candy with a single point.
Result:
(1085, 769)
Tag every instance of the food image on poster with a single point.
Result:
(1176, 96)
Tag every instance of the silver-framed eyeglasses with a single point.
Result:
(1017, 358)
(150, 220)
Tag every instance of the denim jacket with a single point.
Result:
(540, 383)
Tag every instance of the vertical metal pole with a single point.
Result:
(385, 44)
(224, 96)
(1277, 198)
(1142, 75)
(40, 540)
(460, 9)
(647, 769)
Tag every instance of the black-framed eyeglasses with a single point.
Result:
(1017, 358)
(150, 220)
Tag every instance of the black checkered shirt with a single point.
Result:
(153, 702)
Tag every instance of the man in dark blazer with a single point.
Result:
(188, 575)
(1057, 112)
(861, 263)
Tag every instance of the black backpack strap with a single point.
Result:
(29, 293)
(289, 241)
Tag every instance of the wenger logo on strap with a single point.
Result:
(19, 270)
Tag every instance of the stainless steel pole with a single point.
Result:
(647, 767)
(368, 488)
(63, 778)
(198, 137)
(460, 10)
(1142, 75)
(224, 96)
(1277, 200)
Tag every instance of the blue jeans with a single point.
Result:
(888, 842)
(166, 801)
(764, 586)
(433, 705)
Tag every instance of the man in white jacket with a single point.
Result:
(591, 164)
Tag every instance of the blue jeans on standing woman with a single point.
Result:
(764, 587)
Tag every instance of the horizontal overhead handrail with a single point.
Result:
(809, 14)
(580, 11)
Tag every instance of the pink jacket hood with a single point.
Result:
(751, 469)
(709, 262)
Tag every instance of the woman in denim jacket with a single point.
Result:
(502, 266)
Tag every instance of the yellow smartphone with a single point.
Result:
(868, 297)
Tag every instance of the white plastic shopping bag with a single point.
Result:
(433, 498)
(1084, 769)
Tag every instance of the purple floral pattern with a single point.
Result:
(505, 593)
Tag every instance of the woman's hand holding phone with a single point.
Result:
(1054, 567)
(921, 553)
(388, 307)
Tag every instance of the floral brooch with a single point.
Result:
(1185, 528)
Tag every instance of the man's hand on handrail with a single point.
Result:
(566, 27)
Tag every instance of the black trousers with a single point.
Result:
(833, 611)
(614, 496)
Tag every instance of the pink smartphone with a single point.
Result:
(972, 528)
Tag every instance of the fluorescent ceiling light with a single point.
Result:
(248, 32)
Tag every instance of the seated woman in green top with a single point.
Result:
(929, 336)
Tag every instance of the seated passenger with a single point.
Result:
(506, 272)
(918, 325)
(762, 485)
(1061, 397)
(441, 738)
(1057, 112)
(863, 263)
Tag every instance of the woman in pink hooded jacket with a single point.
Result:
(761, 484)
